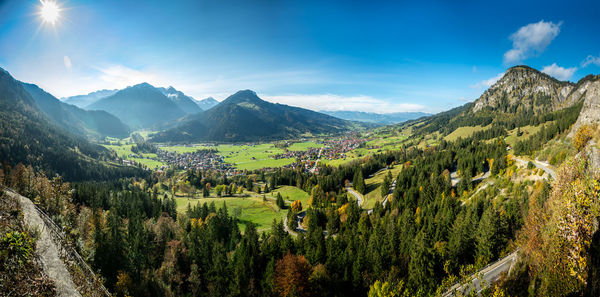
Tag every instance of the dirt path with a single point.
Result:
(46, 249)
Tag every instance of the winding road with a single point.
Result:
(484, 277)
(544, 166)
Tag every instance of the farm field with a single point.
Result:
(124, 152)
(251, 157)
(250, 209)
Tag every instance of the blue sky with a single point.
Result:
(379, 56)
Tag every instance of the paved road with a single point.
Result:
(454, 179)
(486, 276)
(317, 161)
(539, 164)
(359, 198)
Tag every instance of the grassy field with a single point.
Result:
(253, 209)
(303, 146)
(124, 150)
(180, 149)
(374, 187)
(464, 132)
(293, 193)
(512, 137)
(252, 157)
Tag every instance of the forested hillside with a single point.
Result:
(28, 136)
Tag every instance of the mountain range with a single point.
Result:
(93, 123)
(376, 118)
(82, 101)
(207, 103)
(243, 116)
(141, 106)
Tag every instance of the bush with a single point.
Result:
(582, 137)
(16, 246)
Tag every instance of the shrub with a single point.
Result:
(582, 137)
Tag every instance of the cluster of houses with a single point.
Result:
(201, 159)
(330, 149)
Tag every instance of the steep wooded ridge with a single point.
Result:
(243, 116)
(94, 123)
(29, 136)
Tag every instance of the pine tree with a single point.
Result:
(280, 202)
(359, 181)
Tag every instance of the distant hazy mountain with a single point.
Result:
(84, 100)
(76, 120)
(140, 106)
(29, 136)
(207, 103)
(376, 118)
(245, 117)
(185, 103)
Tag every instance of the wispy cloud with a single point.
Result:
(484, 84)
(531, 40)
(67, 62)
(337, 102)
(121, 76)
(591, 60)
(558, 72)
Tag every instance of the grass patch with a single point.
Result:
(253, 209)
(293, 193)
(374, 187)
(464, 132)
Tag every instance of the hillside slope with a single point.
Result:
(243, 116)
(76, 120)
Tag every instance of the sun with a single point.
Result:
(49, 11)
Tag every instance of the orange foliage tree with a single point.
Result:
(292, 276)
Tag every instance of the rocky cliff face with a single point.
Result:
(524, 89)
(588, 90)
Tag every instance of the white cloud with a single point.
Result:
(67, 62)
(558, 72)
(484, 84)
(531, 40)
(591, 60)
(337, 102)
(120, 76)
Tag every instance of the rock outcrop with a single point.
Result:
(588, 90)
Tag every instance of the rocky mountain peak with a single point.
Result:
(522, 89)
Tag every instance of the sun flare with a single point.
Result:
(49, 11)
